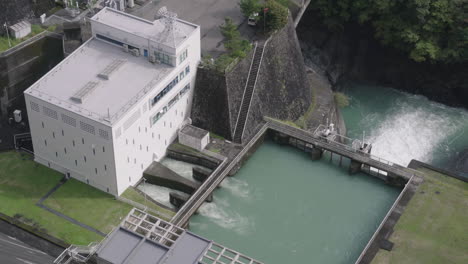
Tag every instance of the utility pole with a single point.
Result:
(144, 184)
(8, 34)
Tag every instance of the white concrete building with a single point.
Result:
(113, 106)
(20, 29)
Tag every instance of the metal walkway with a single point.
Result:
(248, 91)
(340, 149)
(314, 141)
(209, 185)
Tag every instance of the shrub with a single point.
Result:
(275, 17)
(248, 7)
(341, 99)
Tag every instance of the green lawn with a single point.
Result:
(434, 225)
(22, 183)
(35, 29)
(133, 195)
(88, 205)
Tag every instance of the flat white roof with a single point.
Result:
(154, 30)
(110, 97)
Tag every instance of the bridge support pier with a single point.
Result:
(354, 167)
(316, 153)
(281, 138)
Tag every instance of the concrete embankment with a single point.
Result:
(159, 174)
(31, 236)
(182, 153)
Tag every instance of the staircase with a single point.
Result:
(248, 92)
(77, 254)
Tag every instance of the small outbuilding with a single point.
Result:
(20, 29)
(194, 137)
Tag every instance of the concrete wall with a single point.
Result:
(69, 149)
(22, 67)
(282, 90)
(140, 144)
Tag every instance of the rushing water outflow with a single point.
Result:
(403, 127)
(282, 207)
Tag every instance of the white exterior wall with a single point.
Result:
(60, 153)
(140, 144)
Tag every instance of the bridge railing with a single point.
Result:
(212, 182)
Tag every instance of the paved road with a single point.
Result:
(209, 14)
(13, 251)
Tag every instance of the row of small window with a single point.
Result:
(163, 57)
(73, 143)
(171, 103)
(183, 56)
(171, 85)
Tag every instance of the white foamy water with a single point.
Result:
(158, 193)
(415, 128)
(182, 168)
(239, 188)
(219, 212)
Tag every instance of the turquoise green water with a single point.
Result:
(404, 127)
(281, 207)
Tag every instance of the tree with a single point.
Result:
(428, 30)
(248, 7)
(229, 29)
(274, 15)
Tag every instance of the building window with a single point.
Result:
(162, 57)
(139, 129)
(183, 56)
(42, 124)
(48, 163)
(95, 170)
(76, 163)
(63, 134)
(126, 141)
(53, 134)
(84, 158)
(73, 141)
(94, 152)
(176, 111)
(45, 142)
(164, 123)
(141, 166)
(129, 179)
(165, 142)
(140, 146)
(146, 129)
(87, 181)
(56, 154)
(170, 124)
(159, 136)
(133, 141)
(187, 70)
(147, 148)
(107, 189)
(65, 150)
(128, 159)
(82, 140)
(103, 149)
(152, 134)
(105, 167)
(134, 161)
(164, 91)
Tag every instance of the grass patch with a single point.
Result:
(215, 150)
(433, 227)
(22, 183)
(301, 122)
(180, 147)
(135, 196)
(88, 205)
(341, 99)
(286, 122)
(35, 29)
(213, 135)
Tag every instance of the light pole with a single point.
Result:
(144, 184)
(8, 34)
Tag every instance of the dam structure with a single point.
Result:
(311, 142)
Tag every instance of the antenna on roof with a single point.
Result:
(168, 19)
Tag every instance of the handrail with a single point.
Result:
(364, 251)
(245, 88)
(255, 84)
(213, 181)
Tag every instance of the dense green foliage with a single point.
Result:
(275, 15)
(341, 99)
(248, 7)
(236, 46)
(428, 30)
